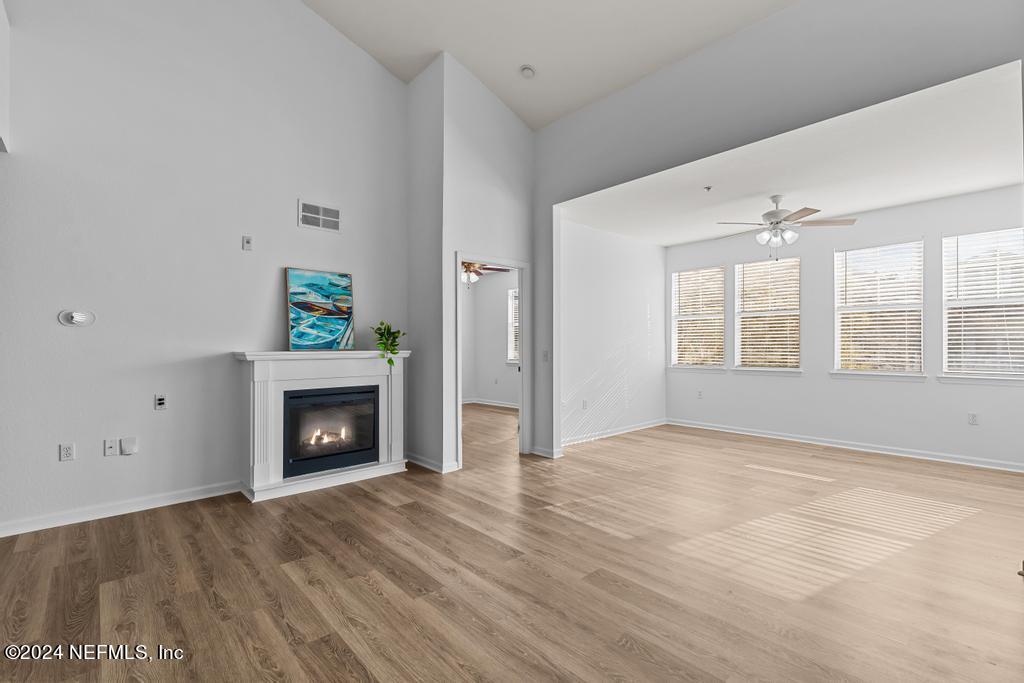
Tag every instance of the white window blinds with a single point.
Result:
(698, 317)
(768, 314)
(983, 303)
(879, 295)
(512, 343)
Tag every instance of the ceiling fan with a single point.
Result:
(777, 225)
(471, 272)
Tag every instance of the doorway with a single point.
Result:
(491, 364)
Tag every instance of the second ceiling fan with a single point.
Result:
(777, 225)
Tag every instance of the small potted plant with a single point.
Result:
(387, 340)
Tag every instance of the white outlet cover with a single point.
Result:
(66, 452)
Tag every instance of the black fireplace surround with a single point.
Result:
(328, 429)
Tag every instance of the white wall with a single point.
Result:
(488, 181)
(925, 418)
(487, 375)
(472, 161)
(612, 333)
(426, 168)
(5, 79)
(151, 136)
(846, 58)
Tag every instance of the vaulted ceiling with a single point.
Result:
(582, 50)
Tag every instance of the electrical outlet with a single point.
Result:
(584, 404)
(159, 401)
(700, 393)
(110, 447)
(66, 452)
(246, 242)
(972, 419)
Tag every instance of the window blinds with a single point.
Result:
(768, 314)
(983, 303)
(698, 316)
(512, 345)
(879, 295)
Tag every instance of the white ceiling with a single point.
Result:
(958, 137)
(581, 49)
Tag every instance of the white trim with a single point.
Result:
(952, 458)
(876, 374)
(593, 436)
(313, 482)
(768, 371)
(993, 380)
(91, 512)
(432, 466)
(699, 368)
(545, 453)
(488, 402)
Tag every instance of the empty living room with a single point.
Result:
(444, 340)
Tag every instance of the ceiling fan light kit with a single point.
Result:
(776, 226)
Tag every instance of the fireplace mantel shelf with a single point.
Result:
(311, 355)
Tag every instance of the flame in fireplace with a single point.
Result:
(343, 437)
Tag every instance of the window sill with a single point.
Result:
(769, 371)
(699, 368)
(982, 379)
(511, 362)
(871, 374)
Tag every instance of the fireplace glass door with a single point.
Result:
(326, 429)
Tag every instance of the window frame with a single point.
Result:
(513, 329)
(674, 317)
(739, 315)
(979, 376)
(837, 310)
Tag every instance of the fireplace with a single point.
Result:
(329, 429)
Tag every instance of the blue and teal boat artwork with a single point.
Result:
(319, 310)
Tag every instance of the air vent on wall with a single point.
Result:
(319, 217)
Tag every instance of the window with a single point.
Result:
(879, 294)
(698, 317)
(512, 340)
(768, 314)
(983, 303)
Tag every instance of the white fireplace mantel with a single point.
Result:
(271, 373)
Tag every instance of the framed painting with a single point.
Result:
(319, 310)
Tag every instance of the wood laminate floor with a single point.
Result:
(667, 553)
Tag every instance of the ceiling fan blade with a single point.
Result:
(734, 234)
(824, 223)
(728, 223)
(797, 215)
(496, 269)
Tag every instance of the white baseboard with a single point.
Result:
(488, 402)
(614, 432)
(860, 446)
(314, 482)
(430, 465)
(91, 512)
(546, 453)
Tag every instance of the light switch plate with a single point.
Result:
(129, 445)
(110, 447)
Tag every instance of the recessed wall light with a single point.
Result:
(527, 71)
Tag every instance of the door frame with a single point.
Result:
(525, 355)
